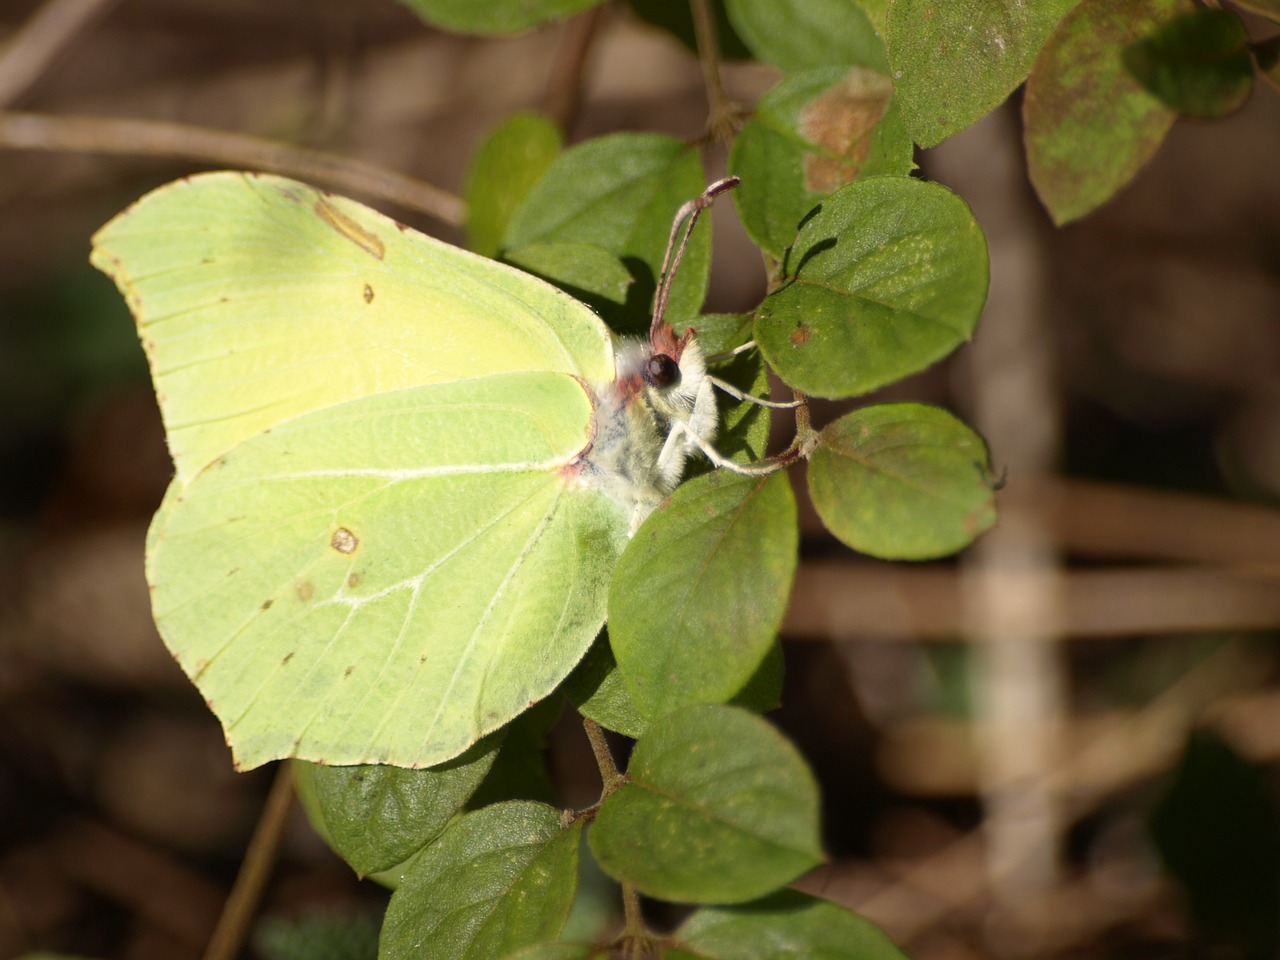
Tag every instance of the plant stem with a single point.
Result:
(609, 774)
(35, 131)
(634, 933)
(563, 97)
(233, 926)
(723, 119)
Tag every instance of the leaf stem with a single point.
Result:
(609, 774)
(233, 926)
(36, 131)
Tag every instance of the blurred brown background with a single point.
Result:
(1002, 739)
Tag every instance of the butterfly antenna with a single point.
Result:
(686, 217)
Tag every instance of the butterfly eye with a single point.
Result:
(661, 370)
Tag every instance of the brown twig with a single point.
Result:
(30, 50)
(233, 926)
(609, 774)
(563, 97)
(723, 120)
(153, 138)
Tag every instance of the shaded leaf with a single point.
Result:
(799, 34)
(813, 133)
(519, 771)
(785, 926)
(699, 592)
(953, 61)
(376, 816)
(585, 272)
(902, 481)
(494, 16)
(674, 17)
(597, 690)
(1197, 63)
(888, 276)
(497, 880)
(620, 192)
(1089, 125)
(512, 158)
(718, 808)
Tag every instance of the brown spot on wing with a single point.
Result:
(305, 590)
(344, 541)
(370, 243)
(368, 293)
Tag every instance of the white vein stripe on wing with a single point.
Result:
(420, 473)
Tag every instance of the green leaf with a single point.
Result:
(512, 158)
(718, 808)
(585, 272)
(799, 34)
(376, 816)
(519, 771)
(699, 592)
(887, 277)
(497, 880)
(785, 926)
(811, 134)
(319, 934)
(953, 61)
(902, 481)
(597, 689)
(560, 951)
(494, 16)
(620, 192)
(1197, 63)
(598, 692)
(743, 434)
(1088, 125)
(675, 17)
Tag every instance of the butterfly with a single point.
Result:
(403, 472)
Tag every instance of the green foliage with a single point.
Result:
(813, 133)
(503, 169)
(377, 816)
(494, 17)
(800, 34)
(886, 277)
(380, 552)
(1197, 63)
(1089, 124)
(953, 61)
(784, 925)
(318, 935)
(618, 193)
(902, 481)
(718, 808)
(699, 592)
(497, 880)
